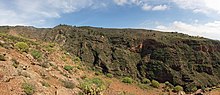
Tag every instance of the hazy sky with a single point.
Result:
(194, 17)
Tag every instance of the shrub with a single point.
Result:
(169, 85)
(190, 88)
(144, 86)
(77, 60)
(45, 84)
(68, 84)
(25, 74)
(2, 58)
(29, 89)
(194, 89)
(64, 58)
(155, 84)
(64, 74)
(45, 64)
(15, 63)
(127, 80)
(49, 47)
(98, 73)
(68, 67)
(178, 88)
(22, 46)
(92, 86)
(36, 54)
(109, 75)
(145, 81)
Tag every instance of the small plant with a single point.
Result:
(127, 80)
(44, 75)
(25, 74)
(45, 84)
(49, 47)
(22, 46)
(145, 81)
(79, 67)
(194, 89)
(68, 84)
(45, 64)
(15, 63)
(109, 75)
(28, 88)
(64, 74)
(64, 58)
(155, 84)
(83, 77)
(92, 86)
(36, 54)
(169, 85)
(190, 88)
(77, 60)
(2, 58)
(144, 86)
(97, 73)
(178, 88)
(68, 68)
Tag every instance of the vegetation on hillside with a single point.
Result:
(143, 55)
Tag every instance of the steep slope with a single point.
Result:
(37, 70)
(30, 67)
(178, 58)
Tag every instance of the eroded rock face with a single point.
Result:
(177, 58)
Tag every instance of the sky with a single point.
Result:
(193, 17)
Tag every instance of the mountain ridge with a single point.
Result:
(189, 61)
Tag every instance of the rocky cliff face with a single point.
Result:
(177, 58)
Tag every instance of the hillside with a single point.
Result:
(192, 62)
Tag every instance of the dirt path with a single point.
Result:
(118, 88)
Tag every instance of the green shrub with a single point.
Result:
(77, 60)
(29, 89)
(178, 88)
(45, 84)
(36, 54)
(145, 81)
(49, 47)
(98, 73)
(155, 84)
(2, 58)
(22, 46)
(127, 80)
(194, 89)
(144, 86)
(109, 75)
(15, 63)
(190, 88)
(68, 84)
(92, 86)
(169, 85)
(68, 67)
